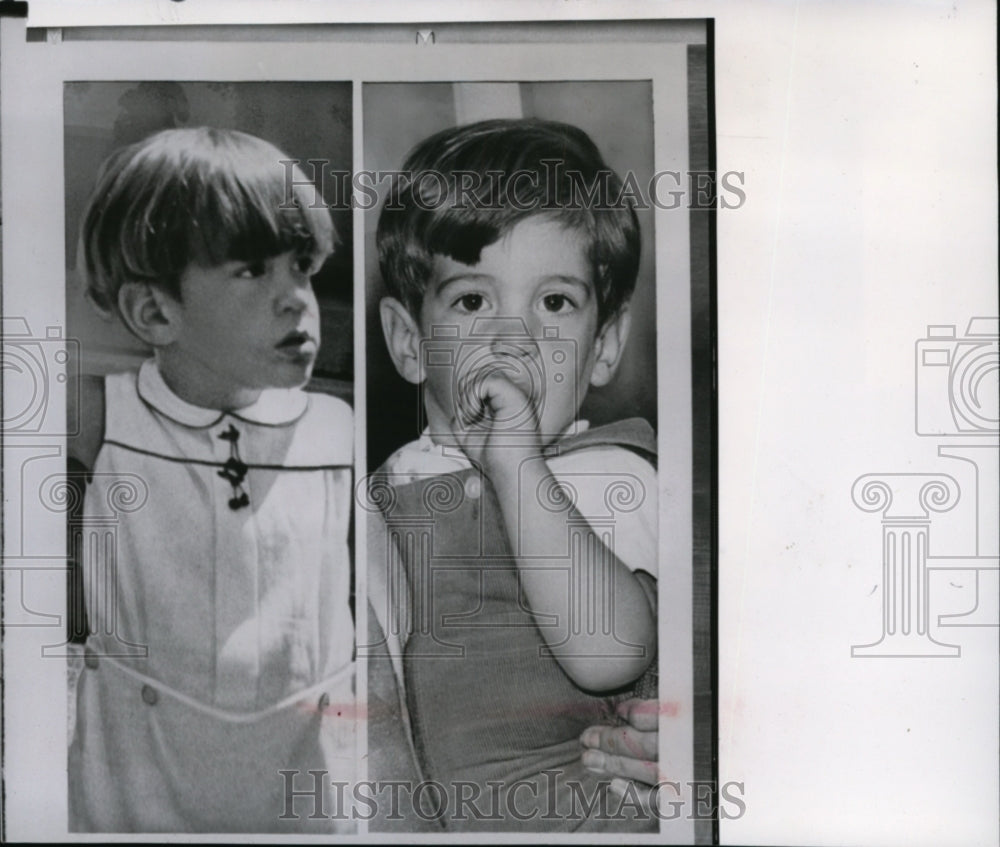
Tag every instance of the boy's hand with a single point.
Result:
(496, 423)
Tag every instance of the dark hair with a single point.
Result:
(464, 188)
(203, 196)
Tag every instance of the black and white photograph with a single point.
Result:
(514, 542)
(571, 421)
(210, 455)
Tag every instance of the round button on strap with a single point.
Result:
(473, 488)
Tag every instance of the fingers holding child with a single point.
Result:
(629, 751)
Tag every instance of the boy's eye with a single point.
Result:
(252, 270)
(306, 265)
(556, 302)
(470, 302)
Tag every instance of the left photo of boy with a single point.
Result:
(211, 591)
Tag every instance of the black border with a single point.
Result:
(14, 9)
(714, 424)
(704, 433)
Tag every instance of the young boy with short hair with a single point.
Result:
(528, 538)
(220, 644)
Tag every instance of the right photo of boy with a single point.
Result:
(512, 506)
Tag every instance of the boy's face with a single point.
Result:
(241, 327)
(527, 313)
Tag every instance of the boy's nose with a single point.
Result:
(504, 326)
(512, 329)
(295, 292)
(507, 335)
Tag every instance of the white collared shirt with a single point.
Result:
(274, 406)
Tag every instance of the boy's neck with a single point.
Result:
(196, 386)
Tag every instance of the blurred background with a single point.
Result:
(306, 120)
(617, 115)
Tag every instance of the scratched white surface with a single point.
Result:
(868, 136)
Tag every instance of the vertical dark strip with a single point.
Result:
(713, 430)
(701, 139)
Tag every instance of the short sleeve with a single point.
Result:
(616, 491)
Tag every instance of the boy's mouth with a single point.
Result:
(298, 342)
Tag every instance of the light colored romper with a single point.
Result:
(217, 581)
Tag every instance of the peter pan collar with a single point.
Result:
(274, 407)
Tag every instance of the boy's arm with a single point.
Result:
(601, 614)
(598, 623)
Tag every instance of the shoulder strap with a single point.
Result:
(85, 406)
(85, 415)
(634, 434)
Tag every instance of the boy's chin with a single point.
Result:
(293, 374)
(512, 437)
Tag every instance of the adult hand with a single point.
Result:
(627, 752)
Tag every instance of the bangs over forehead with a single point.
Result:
(465, 188)
(202, 196)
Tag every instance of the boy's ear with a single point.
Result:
(402, 337)
(149, 313)
(609, 347)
